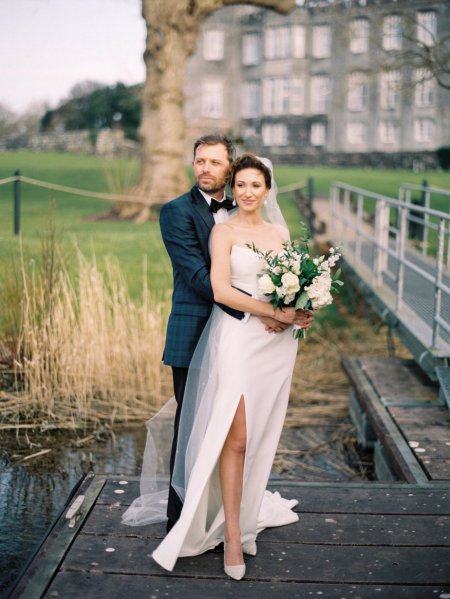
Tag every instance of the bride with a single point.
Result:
(236, 394)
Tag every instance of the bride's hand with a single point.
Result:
(304, 318)
(286, 315)
(272, 325)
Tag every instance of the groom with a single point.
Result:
(186, 224)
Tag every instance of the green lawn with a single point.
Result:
(128, 242)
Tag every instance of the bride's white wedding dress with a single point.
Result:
(247, 362)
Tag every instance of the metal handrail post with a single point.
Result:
(359, 215)
(437, 286)
(403, 231)
(333, 212)
(426, 221)
(381, 238)
(346, 214)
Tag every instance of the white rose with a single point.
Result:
(322, 301)
(290, 282)
(265, 284)
(289, 298)
(319, 290)
(295, 266)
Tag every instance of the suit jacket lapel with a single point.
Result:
(201, 207)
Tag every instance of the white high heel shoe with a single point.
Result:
(249, 547)
(234, 572)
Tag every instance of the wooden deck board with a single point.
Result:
(352, 541)
(288, 562)
(405, 414)
(332, 498)
(73, 585)
(329, 528)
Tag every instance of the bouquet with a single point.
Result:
(295, 278)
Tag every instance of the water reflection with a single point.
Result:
(33, 493)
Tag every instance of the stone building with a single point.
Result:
(333, 82)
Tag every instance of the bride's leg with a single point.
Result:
(231, 481)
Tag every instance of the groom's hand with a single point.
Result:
(304, 318)
(272, 325)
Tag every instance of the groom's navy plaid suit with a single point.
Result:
(186, 224)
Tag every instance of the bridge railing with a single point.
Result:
(401, 250)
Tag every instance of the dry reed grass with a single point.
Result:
(320, 387)
(85, 352)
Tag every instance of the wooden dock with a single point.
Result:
(352, 541)
(399, 412)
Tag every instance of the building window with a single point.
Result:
(276, 95)
(392, 32)
(390, 90)
(318, 134)
(274, 134)
(388, 132)
(276, 42)
(250, 49)
(423, 130)
(297, 96)
(426, 27)
(320, 93)
(358, 91)
(424, 88)
(298, 34)
(356, 133)
(213, 44)
(359, 36)
(250, 100)
(212, 99)
(321, 41)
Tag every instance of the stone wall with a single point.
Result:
(106, 143)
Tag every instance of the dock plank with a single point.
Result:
(398, 380)
(275, 561)
(396, 498)
(73, 585)
(326, 528)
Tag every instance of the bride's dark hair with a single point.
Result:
(249, 160)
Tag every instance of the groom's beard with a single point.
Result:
(212, 186)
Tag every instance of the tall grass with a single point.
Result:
(84, 351)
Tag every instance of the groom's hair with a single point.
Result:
(212, 139)
(249, 160)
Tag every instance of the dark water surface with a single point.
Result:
(33, 492)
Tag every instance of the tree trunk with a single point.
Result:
(172, 31)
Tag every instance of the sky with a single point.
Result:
(47, 46)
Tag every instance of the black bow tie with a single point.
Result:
(227, 203)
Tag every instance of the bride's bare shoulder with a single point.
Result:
(221, 233)
(279, 231)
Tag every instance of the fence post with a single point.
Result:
(309, 201)
(426, 217)
(17, 204)
(438, 283)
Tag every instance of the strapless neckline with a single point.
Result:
(242, 247)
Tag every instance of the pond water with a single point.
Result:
(32, 493)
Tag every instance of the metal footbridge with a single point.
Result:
(397, 251)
